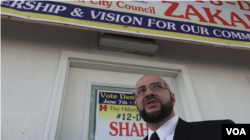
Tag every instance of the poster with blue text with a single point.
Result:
(117, 117)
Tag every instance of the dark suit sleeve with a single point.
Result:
(228, 122)
(207, 130)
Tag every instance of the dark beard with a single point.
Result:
(157, 116)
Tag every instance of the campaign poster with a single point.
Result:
(117, 117)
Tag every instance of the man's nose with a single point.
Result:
(149, 92)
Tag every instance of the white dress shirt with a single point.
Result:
(166, 131)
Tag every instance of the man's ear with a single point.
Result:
(173, 98)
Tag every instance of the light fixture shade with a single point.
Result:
(128, 44)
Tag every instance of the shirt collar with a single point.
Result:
(167, 128)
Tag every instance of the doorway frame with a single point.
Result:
(118, 64)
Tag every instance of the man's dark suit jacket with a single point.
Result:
(204, 130)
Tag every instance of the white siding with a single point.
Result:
(30, 58)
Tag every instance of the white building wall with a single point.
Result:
(30, 58)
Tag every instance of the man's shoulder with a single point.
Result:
(202, 130)
(205, 123)
(201, 126)
(212, 122)
(211, 125)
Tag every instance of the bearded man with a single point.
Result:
(155, 102)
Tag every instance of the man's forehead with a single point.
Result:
(148, 79)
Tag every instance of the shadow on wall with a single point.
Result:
(48, 35)
(178, 52)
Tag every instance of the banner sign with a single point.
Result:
(217, 22)
(117, 117)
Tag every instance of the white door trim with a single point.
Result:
(93, 61)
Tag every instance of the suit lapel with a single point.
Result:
(182, 130)
(146, 138)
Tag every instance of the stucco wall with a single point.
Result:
(30, 58)
(218, 78)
